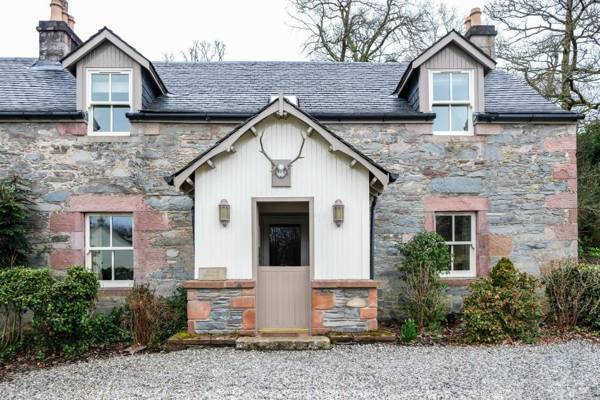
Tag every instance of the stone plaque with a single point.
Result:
(286, 181)
(212, 274)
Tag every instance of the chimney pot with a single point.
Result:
(57, 38)
(71, 22)
(482, 36)
(475, 16)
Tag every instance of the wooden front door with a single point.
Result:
(283, 271)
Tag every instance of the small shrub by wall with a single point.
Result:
(14, 215)
(573, 294)
(421, 291)
(502, 307)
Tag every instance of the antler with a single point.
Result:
(262, 148)
(299, 156)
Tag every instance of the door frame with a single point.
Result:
(256, 237)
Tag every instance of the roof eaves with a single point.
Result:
(42, 115)
(561, 116)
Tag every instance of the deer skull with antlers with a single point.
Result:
(281, 167)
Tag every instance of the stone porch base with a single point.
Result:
(228, 306)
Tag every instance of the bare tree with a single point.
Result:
(357, 30)
(555, 45)
(168, 57)
(203, 51)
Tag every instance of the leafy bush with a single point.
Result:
(14, 214)
(421, 291)
(177, 320)
(20, 290)
(502, 307)
(408, 331)
(588, 190)
(573, 293)
(62, 316)
(111, 328)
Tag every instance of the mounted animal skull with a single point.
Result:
(281, 168)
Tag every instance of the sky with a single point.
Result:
(251, 29)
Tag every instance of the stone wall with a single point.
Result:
(344, 309)
(221, 307)
(526, 173)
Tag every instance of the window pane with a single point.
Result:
(101, 118)
(121, 233)
(99, 231)
(123, 265)
(443, 226)
(441, 86)
(441, 123)
(285, 245)
(120, 87)
(460, 86)
(102, 264)
(462, 258)
(99, 87)
(120, 121)
(462, 228)
(460, 118)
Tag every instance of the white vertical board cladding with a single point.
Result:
(339, 253)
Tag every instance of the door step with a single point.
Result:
(277, 332)
(283, 343)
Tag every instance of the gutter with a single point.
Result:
(372, 239)
(53, 115)
(233, 116)
(528, 117)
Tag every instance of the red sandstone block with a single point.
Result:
(368, 313)
(62, 259)
(242, 302)
(562, 200)
(191, 327)
(249, 292)
(564, 231)
(565, 171)
(319, 331)
(563, 143)
(461, 203)
(372, 302)
(572, 184)
(198, 310)
(322, 301)
(249, 319)
(372, 324)
(107, 203)
(151, 221)
(573, 216)
(500, 245)
(66, 222)
(317, 319)
(428, 223)
(71, 128)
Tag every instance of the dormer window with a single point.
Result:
(109, 100)
(451, 99)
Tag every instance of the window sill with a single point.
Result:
(116, 284)
(106, 139)
(458, 281)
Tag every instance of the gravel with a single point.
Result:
(558, 371)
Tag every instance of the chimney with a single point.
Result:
(57, 38)
(483, 36)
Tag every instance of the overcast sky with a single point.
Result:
(251, 29)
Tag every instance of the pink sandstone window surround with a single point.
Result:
(476, 206)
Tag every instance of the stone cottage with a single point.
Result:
(277, 192)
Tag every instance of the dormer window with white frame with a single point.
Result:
(109, 100)
(451, 97)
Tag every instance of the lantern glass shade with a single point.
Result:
(338, 212)
(224, 212)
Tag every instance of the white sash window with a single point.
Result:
(451, 99)
(109, 100)
(458, 230)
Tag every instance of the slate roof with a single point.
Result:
(245, 87)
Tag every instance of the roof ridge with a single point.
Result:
(337, 63)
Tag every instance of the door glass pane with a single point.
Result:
(441, 123)
(284, 245)
(462, 228)
(122, 232)
(120, 121)
(443, 226)
(460, 118)
(462, 259)
(460, 86)
(101, 118)
(100, 87)
(123, 265)
(120, 87)
(102, 264)
(99, 231)
(441, 86)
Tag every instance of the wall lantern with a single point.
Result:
(338, 212)
(224, 212)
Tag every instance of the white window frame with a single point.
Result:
(89, 248)
(90, 103)
(472, 272)
(470, 103)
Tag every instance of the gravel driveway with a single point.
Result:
(562, 371)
